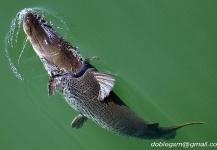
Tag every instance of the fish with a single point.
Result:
(86, 89)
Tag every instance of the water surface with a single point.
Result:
(164, 54)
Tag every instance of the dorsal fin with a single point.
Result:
(106, 82)
(153, 125)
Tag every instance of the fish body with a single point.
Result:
(86, 89)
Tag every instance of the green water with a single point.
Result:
(164, 54)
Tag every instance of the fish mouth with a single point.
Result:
(55, 52)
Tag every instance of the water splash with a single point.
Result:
(13, 34)
(24, 46)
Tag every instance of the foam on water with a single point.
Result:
(12, 36)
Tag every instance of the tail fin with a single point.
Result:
(185, 124)
(171, 131)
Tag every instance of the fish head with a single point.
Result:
(57, 54)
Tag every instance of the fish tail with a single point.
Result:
(171, 131)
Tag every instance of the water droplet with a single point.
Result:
(12, 36)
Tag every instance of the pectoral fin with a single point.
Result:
(106, 82)
(91, 58)
(52, 86)
(78, 121)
